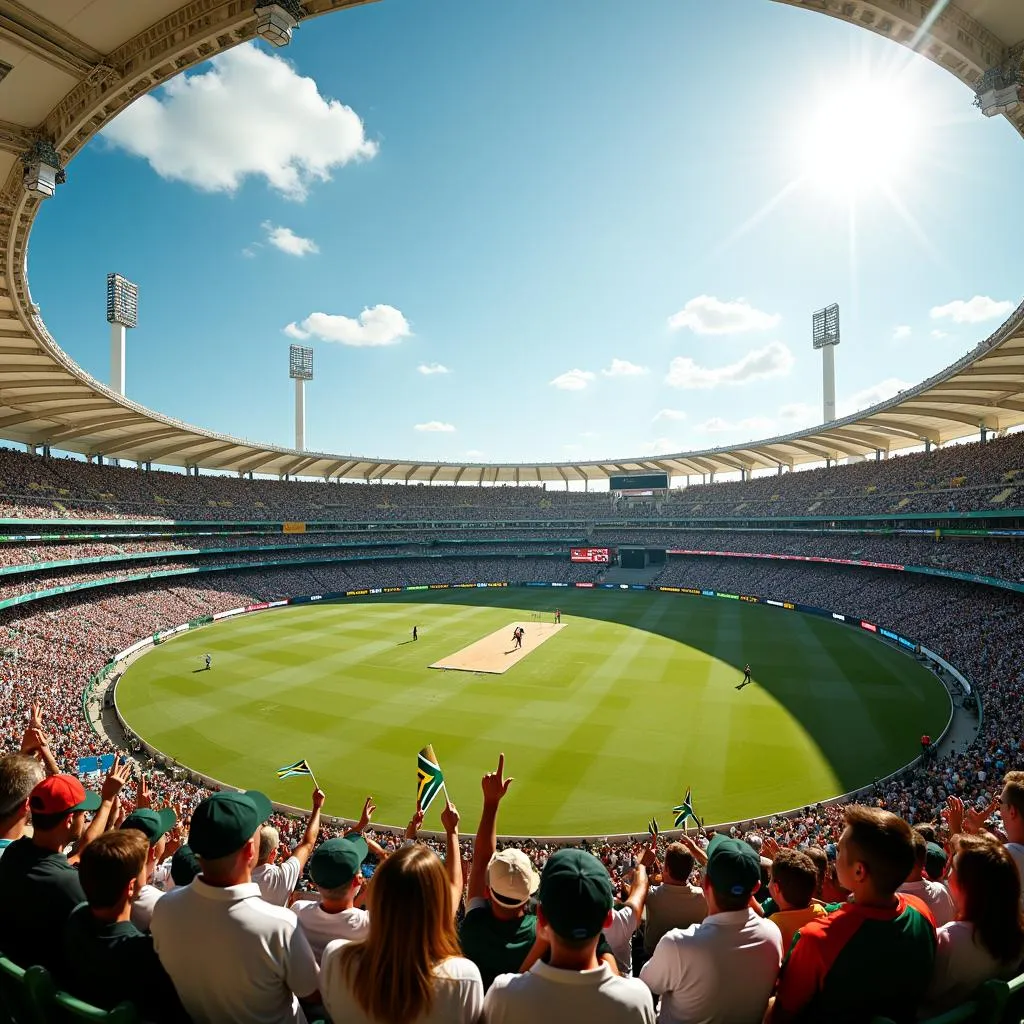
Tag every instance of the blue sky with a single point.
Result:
(609, 228)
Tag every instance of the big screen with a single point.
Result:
(639, 482)
(602, 555)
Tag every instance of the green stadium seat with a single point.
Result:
(984, 1007)
(16, 1002)
(62, 1008)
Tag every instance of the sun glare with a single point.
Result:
(858, 138)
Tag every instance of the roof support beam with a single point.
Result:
(81, 428)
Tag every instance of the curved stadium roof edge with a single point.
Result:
(75, 72)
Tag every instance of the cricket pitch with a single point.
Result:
(497, 653)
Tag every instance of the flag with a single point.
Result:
(429, 777)
(685, 811)
(652, 827)
(290, 770)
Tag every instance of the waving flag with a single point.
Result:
(290, 770)
(685, 811)
(429, 777)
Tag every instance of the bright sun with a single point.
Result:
(860, 137)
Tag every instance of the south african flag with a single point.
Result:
(685, 811)
(429, 777)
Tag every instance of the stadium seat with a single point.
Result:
(17, 1004)
(61, 1008)
(984, 1007)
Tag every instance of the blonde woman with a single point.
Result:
(410, 970)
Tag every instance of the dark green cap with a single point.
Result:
(184, 865)
(336, 862)
(575, 894)
(734, 867)
(935, 861)
(150, 822)
(225, 822)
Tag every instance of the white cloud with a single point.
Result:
(901, 332)
(707, 315)
(435, 427)
(799, 414)
(872, 395)
(774, 360)
(749, 427)
(473, 453)
(939, 335)
(288, 242)
(669, 414)
(973, 311)
(624, 368)
(379, 325)
(661, 446)
(572, 380)
(429, 369)
(248, 114)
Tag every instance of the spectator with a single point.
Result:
(881, 934)
(232, 956)
(19, 775)
(575, 905)
(1011, 807)
(724, 968)
(108, 960)
(794, 879)
(676, 903)
(934, 895)
(277, 881)
(935, 862)
(626, 919)
(38, 886)
(410, 966)
(154, 825)
(498, 932)
(335, 870)
(987, 938)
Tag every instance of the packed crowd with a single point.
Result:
(49, 651)
(956, 478)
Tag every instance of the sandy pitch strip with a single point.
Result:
(496, 653)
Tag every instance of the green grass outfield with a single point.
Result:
(603, 726)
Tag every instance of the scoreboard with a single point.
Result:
(597, 555)
(641, 482)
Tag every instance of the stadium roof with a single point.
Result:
(74, 65)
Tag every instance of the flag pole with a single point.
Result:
(312, 776)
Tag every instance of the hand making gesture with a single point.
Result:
(494, 784)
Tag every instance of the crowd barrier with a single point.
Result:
(114, 669)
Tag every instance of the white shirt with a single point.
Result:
(1016, 851)
(142, 908)
(458, 992)
(277, 881)
(672, 906)
(620, 937)
(232, 956)
(321, 927)
(546, 993)
(961, 965)
(936, 896)
(719, 972)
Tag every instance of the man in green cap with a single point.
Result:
(232, 956)
(336, 870)
(154, 824)
(575, 904)
(733, 942)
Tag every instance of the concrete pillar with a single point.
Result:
(984, 433)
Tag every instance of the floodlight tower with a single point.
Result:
(122, 313)
(825, 335)
(300, 369)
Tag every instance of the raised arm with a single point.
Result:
(641, 881)
(359, 828)
(453, 855)
(305, 848)
(112, 786)
(495, 786)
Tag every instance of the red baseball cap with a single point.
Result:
(61, 794)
